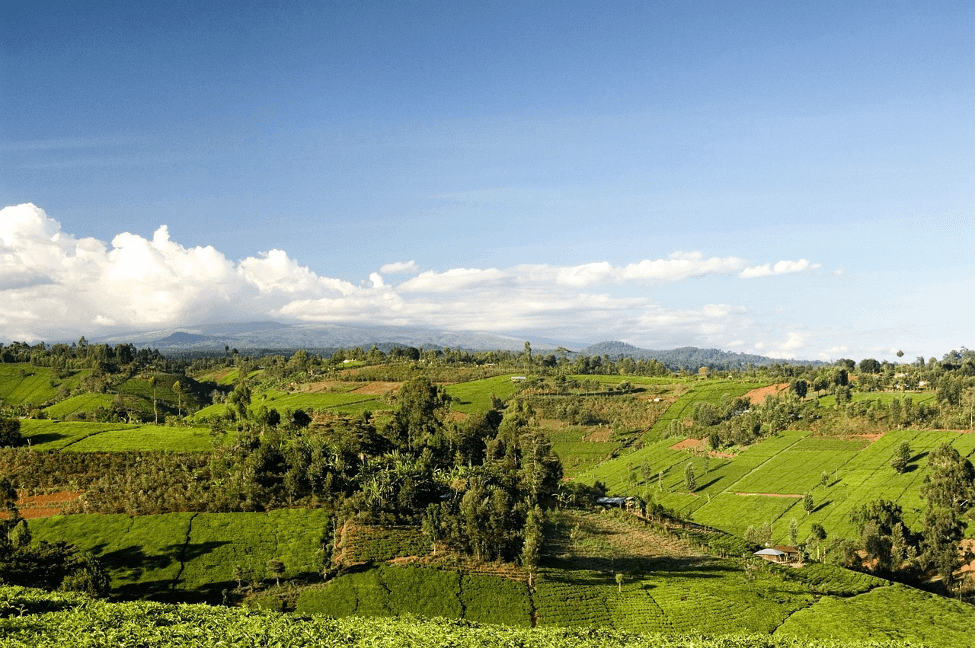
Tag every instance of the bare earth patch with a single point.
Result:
(44, 505)
(688, 443)
(757, 395)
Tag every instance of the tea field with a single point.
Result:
(768, 480)
(48, 435)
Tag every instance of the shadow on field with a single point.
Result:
(579, 569)
(41, 438)
(704, 486)
(822, 506)
(133, 562)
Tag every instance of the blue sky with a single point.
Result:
(793, 179)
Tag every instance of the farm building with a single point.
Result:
(620, 502)
(780, 554)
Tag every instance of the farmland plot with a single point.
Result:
(98, 436)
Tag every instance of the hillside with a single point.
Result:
(465, 486)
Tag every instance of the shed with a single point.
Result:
(620, 502)
(772, 554)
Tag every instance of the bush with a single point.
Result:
(10, 432)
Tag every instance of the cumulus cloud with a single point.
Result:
(55, 284)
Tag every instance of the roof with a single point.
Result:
(770, 551)
(613, 501)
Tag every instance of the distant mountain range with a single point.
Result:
(686, 358)
(259, 336)
(265, 337)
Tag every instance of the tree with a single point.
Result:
(950, 484)
(619, 578)
(277, 569)
(900, 460)
(532, 540)
(792, 531)
(869, 366)
(808, 503)
(799, 387)
(178, 389)
(152, 384)
(942, 533)
(10, 432)
(690, 478)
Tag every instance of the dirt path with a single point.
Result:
(769, 494)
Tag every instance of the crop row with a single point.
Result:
(359, 543)
(389, 590)
(33, 618)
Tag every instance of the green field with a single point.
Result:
(191, 556)
(48, 435)
(390, 590)
(476, 396)
(21, 383)
(84, 403)
(730, 497)
(31, 618)
(337, 402)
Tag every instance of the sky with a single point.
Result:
(787, 179)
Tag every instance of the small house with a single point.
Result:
(783, 554)
(619, 502)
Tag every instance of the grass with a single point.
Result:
(46, 435)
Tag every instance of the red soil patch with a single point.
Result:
(769, 494)
(44, 505)
(688, 443)
(757, 395)
(967, 546)
(378, 388)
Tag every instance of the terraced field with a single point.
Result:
(21, 383)
(191, 556)
(476, 396)
(767, 481)
(46, 435)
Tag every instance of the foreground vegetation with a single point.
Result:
(34, 618)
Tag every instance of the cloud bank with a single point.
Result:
(53, 284)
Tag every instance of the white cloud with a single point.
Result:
(780, 268)
(55, 284)
(396, 268)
